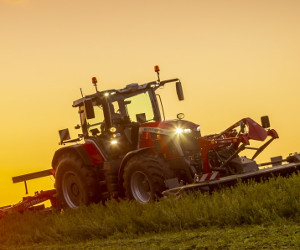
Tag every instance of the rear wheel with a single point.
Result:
(75, 183)
(143, 178)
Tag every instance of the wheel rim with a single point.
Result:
(140, 187)
(71, 189)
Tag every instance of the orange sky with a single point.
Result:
(235, 59)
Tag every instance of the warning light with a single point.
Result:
(94, 80)
(156, 68)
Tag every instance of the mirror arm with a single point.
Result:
(162, 83)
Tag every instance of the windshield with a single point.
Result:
(133, 108)
(123, 108)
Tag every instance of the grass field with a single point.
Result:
(250, 216)
(283, 236)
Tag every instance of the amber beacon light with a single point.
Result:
(94, 80)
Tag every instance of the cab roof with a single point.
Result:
(129, 88)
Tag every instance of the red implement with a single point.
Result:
(30, 202)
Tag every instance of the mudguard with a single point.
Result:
(127, 157)
(88, 152)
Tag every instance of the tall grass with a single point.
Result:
(254, 203)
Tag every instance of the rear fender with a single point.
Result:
(87, 152)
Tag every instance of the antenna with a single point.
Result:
(81, 92)
(94, 81)
(156, 69)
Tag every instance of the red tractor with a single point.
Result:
(128, 150)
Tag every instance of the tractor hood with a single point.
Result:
(170, 126)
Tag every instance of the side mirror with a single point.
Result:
(179, 91)
(265, 122)
(64, 135)
(89, 109)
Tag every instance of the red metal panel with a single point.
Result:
(256, 132)
(93, 152)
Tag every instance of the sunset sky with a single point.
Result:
(235, 58)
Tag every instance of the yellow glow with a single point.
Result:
(113, 142)
(179, 130)
(234, 58)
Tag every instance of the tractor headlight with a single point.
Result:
(183, 131)
(179, 130)
(113, 142)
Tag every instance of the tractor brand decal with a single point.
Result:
(156, 130)
(34, 202)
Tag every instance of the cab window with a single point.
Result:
(97, 122)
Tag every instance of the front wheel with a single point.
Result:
(144, 178)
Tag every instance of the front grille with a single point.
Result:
(189, 144)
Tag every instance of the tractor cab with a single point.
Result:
(112, 118)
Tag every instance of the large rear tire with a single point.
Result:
(75, 183)
(144, 178)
